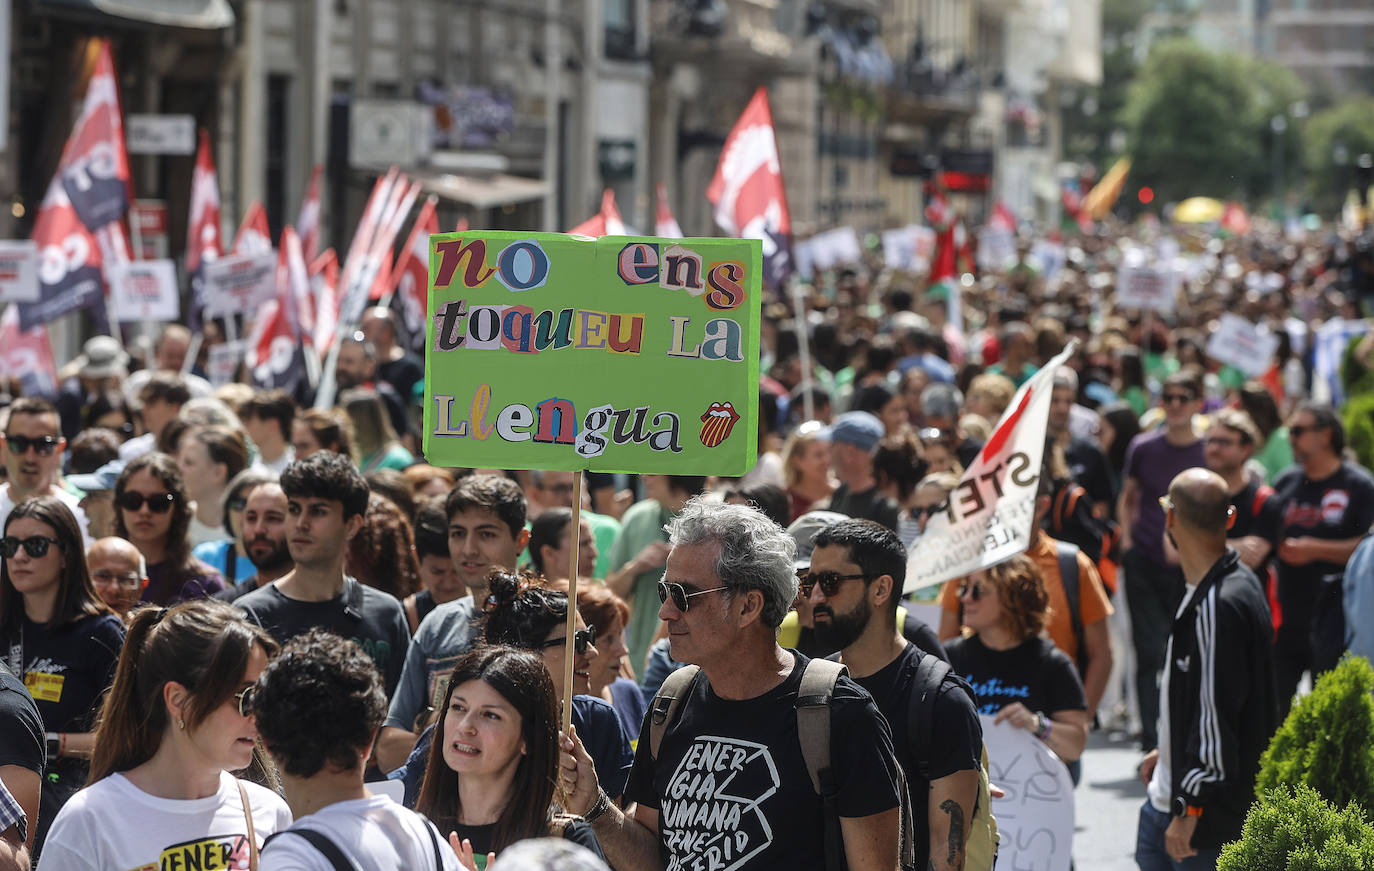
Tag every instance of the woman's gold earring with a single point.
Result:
(181, 724)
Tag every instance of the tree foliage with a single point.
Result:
(1294, 829)
(1349, 125)
(1327, 742)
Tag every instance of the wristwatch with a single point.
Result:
(1183, 809)
(54, 745)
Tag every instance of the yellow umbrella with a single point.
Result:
(1199, 210)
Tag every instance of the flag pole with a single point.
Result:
(570, 643)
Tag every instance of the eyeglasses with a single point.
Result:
(582, 639)
(1298, 430)
(931, 434)
(925, 512)
(35, 546)
(1222, 442)
(1166, 503)
(158, 503)
(106, 578)
(680, 595)
(1170, 398)
(243, 699)
(44, 445)
(973, 591)
(829, 582)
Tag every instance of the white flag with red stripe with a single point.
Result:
(606, 222)
(990, 515)
(27, 355)
(665, 224)
(253, 236)
(377, 267)
(748, 191)
(324, 288)
(411, 275)
(279, 346)
(203, 229)
(308, 222)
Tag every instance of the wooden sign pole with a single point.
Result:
(570, 644)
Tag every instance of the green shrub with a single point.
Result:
(1295, 830)
(1327, 742)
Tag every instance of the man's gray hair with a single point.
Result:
(755, 553)
(1067, 378)
(941, 400)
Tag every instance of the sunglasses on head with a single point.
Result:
(44, 445)
(582, 639)
(829, 582)
(35, 546)
(679, 594)
(243, 700)
(158, 503)
(973, 591)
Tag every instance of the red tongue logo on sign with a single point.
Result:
(717, 423)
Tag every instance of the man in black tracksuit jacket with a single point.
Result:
(1218, 704)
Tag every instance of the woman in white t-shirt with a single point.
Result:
(169, 733)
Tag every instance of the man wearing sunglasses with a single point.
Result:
(33, 449)
(1153, 586)
(728, 772)
(854, 585)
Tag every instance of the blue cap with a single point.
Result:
(103, 478)
(857, 428)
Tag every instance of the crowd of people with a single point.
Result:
(233, 624)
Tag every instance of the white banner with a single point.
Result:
(222, 362)
(996, 248)
(240, 283)
(19, 271)
(160, 134)
(1241, 344)
(988, 517)
(145, 290)
(909, 247)
(827, 250)
(1035, 818)
(1145, 288)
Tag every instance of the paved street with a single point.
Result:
(1107, 803)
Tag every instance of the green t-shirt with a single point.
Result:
(1276, 455)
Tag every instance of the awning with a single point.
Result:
(482, 191)
(197, 14)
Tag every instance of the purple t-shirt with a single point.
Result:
(1154, 463)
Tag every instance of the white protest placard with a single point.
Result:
(996, 248)
(145, 290)
(19, 270)
(1241, 344)
(1035, 818)
(240, 283)
(160, 134)
(909, 247)
(1145, 288)
(988, 516)
(222, 362)
(835, 247)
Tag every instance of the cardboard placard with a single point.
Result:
(239, 283)
(145, 290)
(618, 354)
(19, 270)
(1144, 288)
(1241, 344)
(1035, 818)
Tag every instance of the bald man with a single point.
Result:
(118, 572)
(1218, 705)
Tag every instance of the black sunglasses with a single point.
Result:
(44, 445)
(1178, 397)
(1297, 431)
(243, 699)
(158, 503)
(925, 512)
(582, 639)
(973, 591)
(679, 594)
(829, 582)
(35, 546)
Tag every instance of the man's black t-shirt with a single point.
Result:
(401, 373)
(21, 726)
(1089, 469)
(368, 616)
(234, 592)
(1341, 506)
(731, 786)
(956, 735)
(1248, 521)
(868, 505)
(1035, 673)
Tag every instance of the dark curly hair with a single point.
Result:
(382, 554)
(520, 610)
(320, 702)
(523, 681)
(327, 475)
(495, 493)
(1021, 592)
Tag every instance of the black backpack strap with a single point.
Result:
(434, 842)
(1068, 575)
(920, 720)
(321, 842)
(813, 732)
(667, 701)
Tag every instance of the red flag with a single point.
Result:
(253, 236)
(95, 163)
(748, 192)
(605, 222)
(1235, 220)
(308, 223)
(378, 264)
(203, 232)
(941, 218)
(1002, 218)
(27, 355)
(352, 288)
(68, 261)
(411, 275)
(324, 287)
(462, 226)
(665, 224)
(276, 352)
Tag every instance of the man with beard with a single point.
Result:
(264, 536)
(358, 368)
(857, 571)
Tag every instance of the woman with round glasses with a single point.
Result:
(59, 636)
(154, 514)
(1020, 677)
(522, 612)
(176, 722)
(491, 775)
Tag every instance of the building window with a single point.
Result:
(278, 119)
(619, 18)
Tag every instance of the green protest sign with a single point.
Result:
(618, 354)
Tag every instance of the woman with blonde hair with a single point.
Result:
(378, 446)
(322, 429)
(806, 468)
